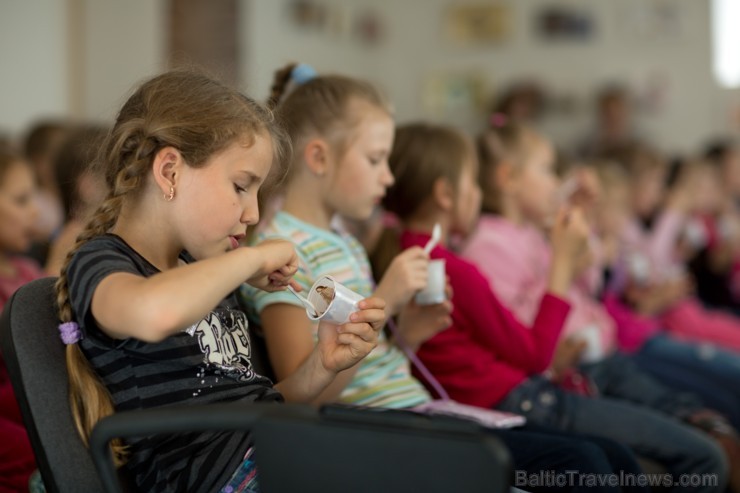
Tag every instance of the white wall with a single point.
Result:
(76, 58)
(33, 50)
(81, 57)
(271, 41)
(124, 44)
(625, 47)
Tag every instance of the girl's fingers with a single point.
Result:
(358, 346)
(417, 253)
(363, 331)
(447, 306)
(371, 303)
(288, 270)
(372, 316)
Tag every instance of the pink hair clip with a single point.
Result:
(70, 332)
(499, 120)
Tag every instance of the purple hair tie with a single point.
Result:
(70, 332)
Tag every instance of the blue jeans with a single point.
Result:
(701, 368)
(634, 410)
(535, 448)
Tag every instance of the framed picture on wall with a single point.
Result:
(564, 23)
(478, 23)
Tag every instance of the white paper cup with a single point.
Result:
(594, 345)
(334, 301)
(434, 293)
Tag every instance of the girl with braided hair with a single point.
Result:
(144, 296)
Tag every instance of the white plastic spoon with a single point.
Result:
(436, 234)
(305, 301)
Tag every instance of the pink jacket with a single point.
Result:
(656, 246)
(516, 261)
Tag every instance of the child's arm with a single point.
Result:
(569, 240)
(407, 274)
(661, 243)
(500, 331)
(150, 309)
(337, 353)
(419, 323)
(290, 342)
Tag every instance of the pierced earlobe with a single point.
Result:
(169, 196)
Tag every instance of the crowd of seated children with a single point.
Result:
(569, 302)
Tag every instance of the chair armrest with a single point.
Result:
(210, 417)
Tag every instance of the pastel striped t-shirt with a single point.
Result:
(384, 377)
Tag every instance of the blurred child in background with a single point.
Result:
(18, 215)
(81, 188)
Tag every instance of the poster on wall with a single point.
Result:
(480, 23)
(657, 20)
(455, 96)
(564, 23)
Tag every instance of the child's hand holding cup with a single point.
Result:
(434, 292)
(333, 301)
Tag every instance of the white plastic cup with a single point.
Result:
(594, 345)
(434, 293)
(334, 301)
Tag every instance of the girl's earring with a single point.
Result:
(169, 196)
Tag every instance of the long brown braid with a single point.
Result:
(192, 113)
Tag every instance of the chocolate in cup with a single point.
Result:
(434, 293)
(334, 302)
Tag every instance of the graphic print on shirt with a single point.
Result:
(224, 340)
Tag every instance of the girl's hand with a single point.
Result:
(569, 239)
(584, 262)
(418, 323)
(278, 265)
(343, 346)
(567, 355)
(569, 235)
(588, 188)
(407, 274)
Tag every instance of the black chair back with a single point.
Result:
(36, 362)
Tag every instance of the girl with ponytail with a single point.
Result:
(144, 297)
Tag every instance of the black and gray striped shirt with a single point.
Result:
(206, 363)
